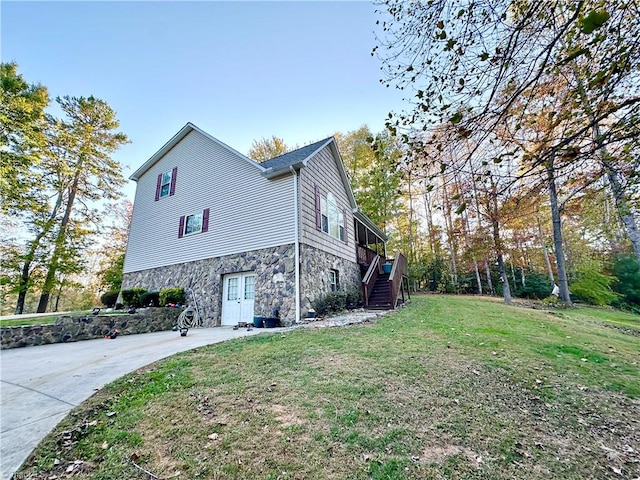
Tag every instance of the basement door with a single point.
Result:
(238, 296)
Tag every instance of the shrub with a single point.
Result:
(626, 269)
(172, 295)
(131, 297)
(330, 303)
(337, 301)
(593, 286)
(354, 298)
(537, 286)
(320, 306)
(149, 299)
(109, 299)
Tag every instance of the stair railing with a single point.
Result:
(370, 278)
(398, 272)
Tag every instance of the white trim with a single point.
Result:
(184, 131)
(297, 241)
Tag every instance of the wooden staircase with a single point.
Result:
(380, 297)
(382, 290)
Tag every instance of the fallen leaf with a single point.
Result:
(105, 445)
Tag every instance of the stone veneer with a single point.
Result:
(275, 280)
(72, 329)
(314, 273)
(202, 279)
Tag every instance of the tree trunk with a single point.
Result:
(23, 286)
(563, 284)
(497, 242)
(23, 283)
(489, 281)
(450, 234)
(427, 208)
(624, 210)
(545, 253)
(49, 281)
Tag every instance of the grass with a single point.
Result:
(449, 387)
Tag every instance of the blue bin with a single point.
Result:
(386, 267)
(258, 322)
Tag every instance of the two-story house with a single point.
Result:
(245, 238)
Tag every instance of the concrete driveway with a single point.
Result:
(40, 385)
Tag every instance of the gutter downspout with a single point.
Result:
(297, 240)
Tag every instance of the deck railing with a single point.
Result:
(365, 255)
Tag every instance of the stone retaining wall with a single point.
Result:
(72, 329)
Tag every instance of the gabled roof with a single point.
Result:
(184, 131)
(295, 156)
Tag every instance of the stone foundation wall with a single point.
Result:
(274, 287)
(314, 273)
(72, 329)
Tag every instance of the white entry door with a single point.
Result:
(238, 295)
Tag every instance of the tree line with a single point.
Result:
(520, 140)
(56, 175)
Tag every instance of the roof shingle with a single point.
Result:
(293, 157)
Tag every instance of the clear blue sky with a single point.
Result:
(238, 70)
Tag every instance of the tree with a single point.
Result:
(267, 148)
(86, 139)
(114, 247)
(22, 124)
(474, 66)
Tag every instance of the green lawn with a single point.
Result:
(449, 387)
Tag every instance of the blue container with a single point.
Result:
(258, 322)
(270, 322)
(386, 267)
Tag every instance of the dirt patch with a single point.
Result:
(285, 416)
(439, 454)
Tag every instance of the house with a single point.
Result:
(245, 238)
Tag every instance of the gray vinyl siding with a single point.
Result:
(247, 211)
(322, 170)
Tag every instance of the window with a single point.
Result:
(329, 218)
(232, 289)
(195, 223)
(166, 185)
(333, 280)
(249, 288)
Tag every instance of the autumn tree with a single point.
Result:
(84, 142)
(112, 251)
(466, 64)
(267, 148)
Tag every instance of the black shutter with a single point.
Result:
(181, 231)
(205, 220)
(158, 186)
(172, 187)
(318, 210)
